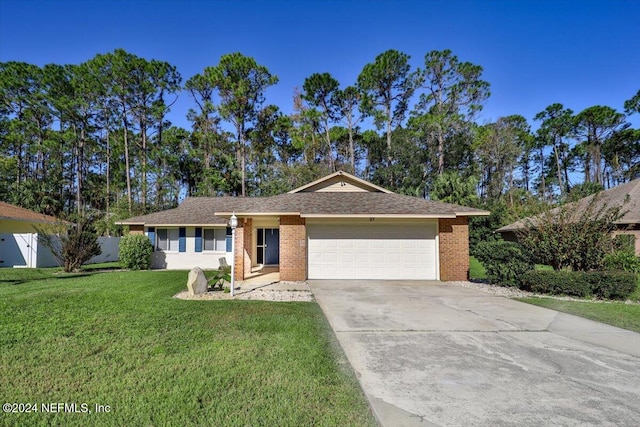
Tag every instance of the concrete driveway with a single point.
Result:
(428, 353)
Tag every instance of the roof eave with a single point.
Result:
(372, 215)
(475, 213)
(252, 214)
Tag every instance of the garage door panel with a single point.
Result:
(372, 251)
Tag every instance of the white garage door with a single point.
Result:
(368, 251)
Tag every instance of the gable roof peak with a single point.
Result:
(357, 182)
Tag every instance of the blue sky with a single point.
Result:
(534, 53)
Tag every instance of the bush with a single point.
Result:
(602, 284)
(622, 261)
(505, 262)
(556, 283)
(613, 284)
(624, 242)
(573, 236)
(135, 252)
(74, 244)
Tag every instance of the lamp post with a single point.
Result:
(233, 223)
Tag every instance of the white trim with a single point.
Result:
(346, 175)
(392, 216)
(254, 214)
(481, 213)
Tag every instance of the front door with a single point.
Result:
(268, 246)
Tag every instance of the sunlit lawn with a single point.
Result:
(618, 314)
(120, 339)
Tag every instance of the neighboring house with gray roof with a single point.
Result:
(625, 195)
(338, 227)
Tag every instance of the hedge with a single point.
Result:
(602, 284)
(504, 261)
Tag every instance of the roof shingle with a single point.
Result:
(16, 213)
(626, 195)
(203, 210)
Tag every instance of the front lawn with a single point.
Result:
(119, 339)
(618, 314)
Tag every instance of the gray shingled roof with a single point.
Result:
(202, 210)
(615, 196)
(193, 210)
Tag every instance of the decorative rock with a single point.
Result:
(197, 282)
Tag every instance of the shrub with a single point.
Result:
(622, 261)
(135, 252)
(603, 284)
(556, 282)
(575, 237)
(73, 245)
(613, 284)
(505, 262)
(624, 242)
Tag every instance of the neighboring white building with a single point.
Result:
(19, 238)
(19, 247)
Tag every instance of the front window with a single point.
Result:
(215, 239)
(167, 239)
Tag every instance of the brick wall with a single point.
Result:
(293, 248)
(454, 249)
(136, 229)
(247, 248)
(242, 256)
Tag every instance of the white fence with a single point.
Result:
(23, 250)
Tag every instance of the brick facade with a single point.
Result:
(243, 248)
(293, 248)
(454, 249)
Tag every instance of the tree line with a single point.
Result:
(94, 140)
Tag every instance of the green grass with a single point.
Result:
(476, 269)
(119, 339)
(478, 272)
(618, 314)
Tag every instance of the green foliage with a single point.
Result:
(632, 106)
(612, 284)
(482, 228)
(74, 245)
(505, 262)
(602, 284)
(135, 252)
(572, 237)
(450, 187)
(556, 283)
(624, 242)
(585, 189)
(622, 261)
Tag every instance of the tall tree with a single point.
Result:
(152, 81)
(347, 102)
(594, 126)
(241, 83)
(320, 91)
(498, 146)
(454, 93)
(388, 85)
(116, 68)
(556, 126)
